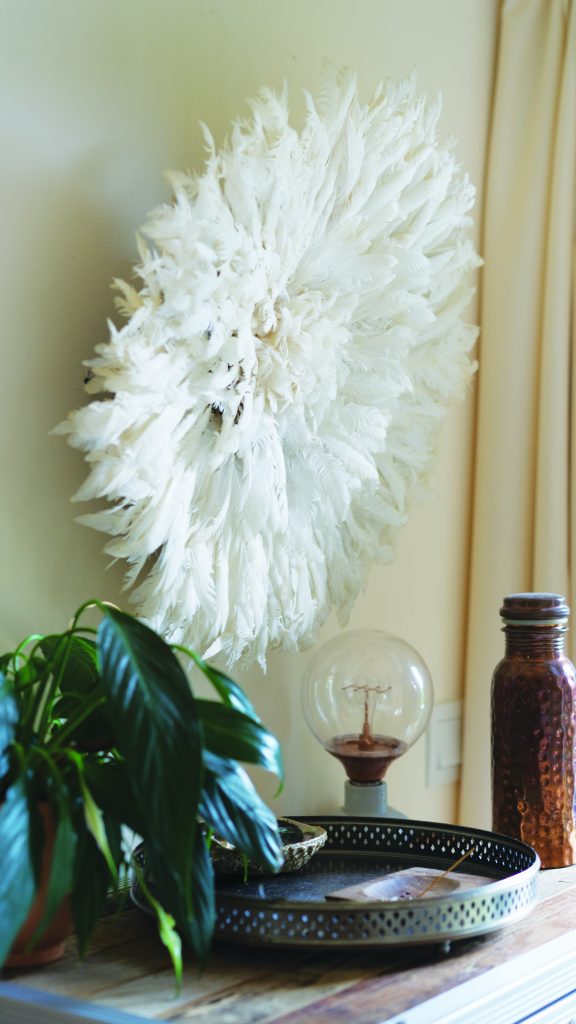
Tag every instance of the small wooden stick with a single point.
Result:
(447, 872)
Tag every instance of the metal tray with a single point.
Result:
(290, 910)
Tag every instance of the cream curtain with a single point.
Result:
(524, 509)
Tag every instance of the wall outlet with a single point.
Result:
(444, 744)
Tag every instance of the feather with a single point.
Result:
(269, 413)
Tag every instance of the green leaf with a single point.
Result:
(166, 928)
(111, 787)
(171, 939)
(231, 734)
(204, 910)
(73, 661)
(62, 866)
(231, 805)
(92, 732)
(91, 883)
(95, 824)
(75, 658)
(65, 706)
(36, 832)
(8, 721)
(5, 660)
(17, 886)
(196, 923)
(231, 693)
(32, 670)
(93, 817)
(157, 733)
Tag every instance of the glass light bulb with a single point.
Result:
(367, 696)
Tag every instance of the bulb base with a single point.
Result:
(368, 800)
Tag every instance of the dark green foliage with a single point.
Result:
(230, 803)
(231, 733)
(17, 884)
(104, 728)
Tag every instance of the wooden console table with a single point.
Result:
(523, 973)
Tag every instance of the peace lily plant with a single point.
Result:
(102, 726)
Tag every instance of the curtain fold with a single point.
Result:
(524, 505)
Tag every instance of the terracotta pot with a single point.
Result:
(50, 945)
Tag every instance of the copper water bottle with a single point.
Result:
(533, 729)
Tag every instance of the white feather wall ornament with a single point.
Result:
(270, 411)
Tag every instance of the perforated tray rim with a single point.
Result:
(431, 919)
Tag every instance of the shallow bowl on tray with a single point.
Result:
(300, 842)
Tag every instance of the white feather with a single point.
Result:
(272, 407)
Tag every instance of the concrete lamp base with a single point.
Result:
(368, 800)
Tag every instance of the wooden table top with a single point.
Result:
(127, 977)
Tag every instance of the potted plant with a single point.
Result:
(102, 737)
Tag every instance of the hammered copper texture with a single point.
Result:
(533, 730)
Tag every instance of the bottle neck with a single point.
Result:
(535, 640)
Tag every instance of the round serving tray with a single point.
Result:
(287, 910)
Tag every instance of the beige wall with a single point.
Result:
(97, 98)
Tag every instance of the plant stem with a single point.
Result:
(43, 704)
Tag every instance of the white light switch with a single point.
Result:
(444, 753)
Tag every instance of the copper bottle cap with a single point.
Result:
(534, 607)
